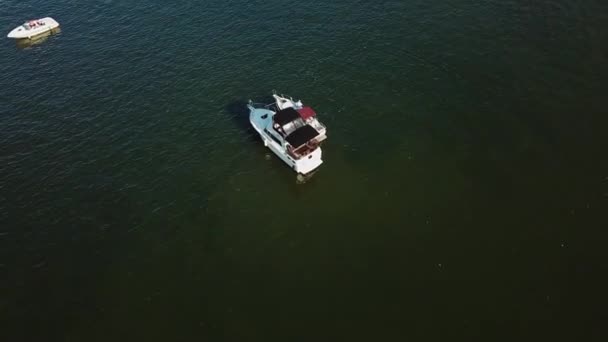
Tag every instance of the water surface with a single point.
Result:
(463, 194)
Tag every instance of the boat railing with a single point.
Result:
(274, 92)
(318, 125)
(262, 105)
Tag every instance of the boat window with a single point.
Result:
(273, 137)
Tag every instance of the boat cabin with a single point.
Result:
(302, 141)
(289, 119)
(292, 124)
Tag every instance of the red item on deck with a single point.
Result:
(306, 112)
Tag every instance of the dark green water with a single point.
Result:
(464, 193)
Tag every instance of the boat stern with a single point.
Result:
(52, 23)
(309, 163)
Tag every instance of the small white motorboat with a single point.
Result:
(290, 130)
(32, 28)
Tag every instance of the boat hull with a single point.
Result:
(21, 33)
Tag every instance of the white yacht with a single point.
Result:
(33, 28)
(290, 130)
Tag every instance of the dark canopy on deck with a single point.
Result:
(301, 136)
(286, 116)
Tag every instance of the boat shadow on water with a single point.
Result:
(302, 179)
(39, 39)
(239, 113)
